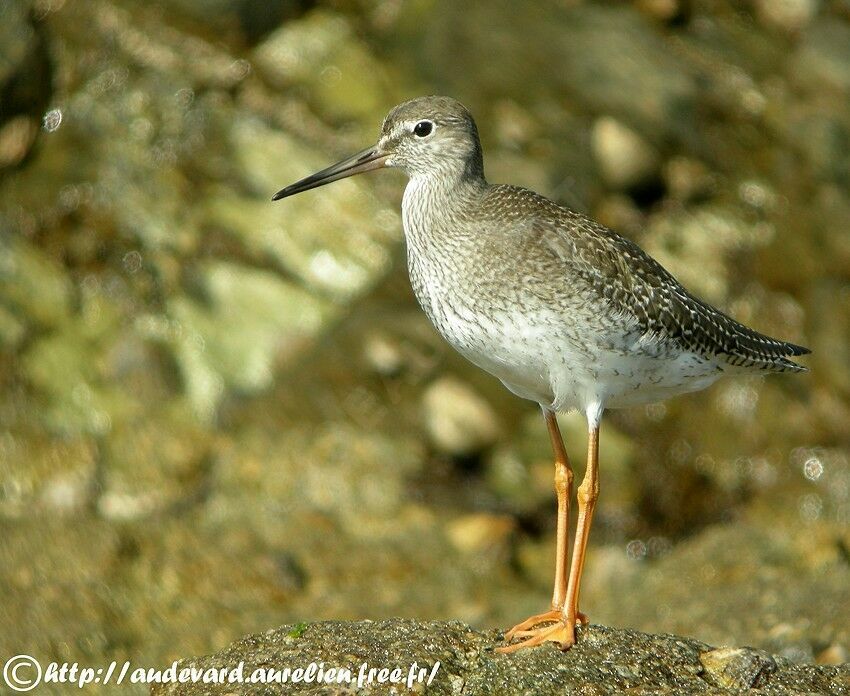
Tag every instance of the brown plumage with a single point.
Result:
(634, 284)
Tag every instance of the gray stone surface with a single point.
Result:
(604, 661)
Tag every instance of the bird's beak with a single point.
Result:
(363, 161)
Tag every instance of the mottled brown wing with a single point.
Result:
(634, 284)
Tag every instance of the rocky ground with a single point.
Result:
(604, 661)
(220, 415)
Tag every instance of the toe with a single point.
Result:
(523, 627)
(560, 632)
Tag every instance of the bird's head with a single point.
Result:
(426, 136)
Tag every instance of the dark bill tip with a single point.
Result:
(364, 161)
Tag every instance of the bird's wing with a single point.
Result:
(636, 286)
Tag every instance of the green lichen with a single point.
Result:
(298, 630)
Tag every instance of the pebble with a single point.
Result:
(688, 179)
(788, 15)
(662, 10)
(835, 654)
(737, 668)
(624, 158)
(458, 421)
(479, 532)
(383, 355)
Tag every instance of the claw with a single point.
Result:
(523, 629)
(546, 617)
(559, 632)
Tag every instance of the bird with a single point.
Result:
(564, 311)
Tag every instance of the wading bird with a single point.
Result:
(562, 310)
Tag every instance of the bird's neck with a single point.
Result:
(435, 205)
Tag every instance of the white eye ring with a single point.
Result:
(423, 129)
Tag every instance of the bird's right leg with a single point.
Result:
(563, 491)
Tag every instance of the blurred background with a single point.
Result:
(219, 414)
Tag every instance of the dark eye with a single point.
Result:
(423, 128)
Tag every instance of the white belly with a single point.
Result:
(542, 359)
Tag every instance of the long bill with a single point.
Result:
(364, 161)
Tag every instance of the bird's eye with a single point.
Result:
(423, 128)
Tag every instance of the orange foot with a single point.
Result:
(551, 616)
(559, 632)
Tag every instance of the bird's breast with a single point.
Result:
(480, 319)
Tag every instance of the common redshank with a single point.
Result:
(564, 311)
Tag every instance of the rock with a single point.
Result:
(172, 394)
(339, 260)
(688, 179)
(153, 464)
(32, 285)
(513, 125)
(835, 654)
(692, 244)
(648, 83)
(243, 18)
(383, 355)
(251, 320)
(25, 74)
(12, 330)
(479, 532)
(320, 51)
(59, 365)
(16, 138)
(823, 138)
(39, 556)
(823, 58)
(520, 472)
(16, 37)
(789, 15)
(450, 658)
(625, 159)
(737, 668)
(663, 10)
(458, 421)
(53, 476)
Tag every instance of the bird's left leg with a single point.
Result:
(563, 491)
(563, 630)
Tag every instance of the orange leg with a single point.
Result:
(563, 491)
(563, 629)
(588, 493)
